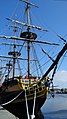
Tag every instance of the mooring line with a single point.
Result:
(33, 115)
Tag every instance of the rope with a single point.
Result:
(12, 99)
(27, 106)
(32, 116)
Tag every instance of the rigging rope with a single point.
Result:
(37, 59)
(15, 9)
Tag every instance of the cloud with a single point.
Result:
(60, 79)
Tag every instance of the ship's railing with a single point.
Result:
(39, 85)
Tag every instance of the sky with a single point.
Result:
(51, 15)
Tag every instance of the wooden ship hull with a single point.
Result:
(13, 99)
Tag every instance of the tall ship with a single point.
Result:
(24, 73)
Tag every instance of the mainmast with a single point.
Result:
(28, 42)
(28, 35)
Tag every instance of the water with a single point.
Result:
(54, 108)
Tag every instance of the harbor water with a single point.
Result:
(54, 108)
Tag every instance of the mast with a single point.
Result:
(28, 42)
(14, 54)
(28, 35)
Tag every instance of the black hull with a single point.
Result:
(18, 106)
(20, 111)
(13, 99)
